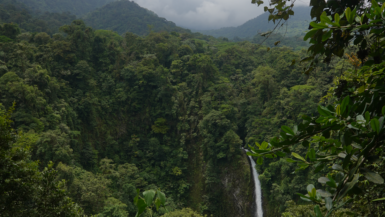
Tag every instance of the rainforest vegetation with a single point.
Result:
(104, 123)
(31, 21)
(76, 7)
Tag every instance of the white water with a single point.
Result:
(258, 192)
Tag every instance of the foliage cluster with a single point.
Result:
(24, 190)
(345, 143)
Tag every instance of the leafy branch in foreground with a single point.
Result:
(149, 201)
(347, 137)
(361, 27)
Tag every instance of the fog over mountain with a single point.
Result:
(206, 14)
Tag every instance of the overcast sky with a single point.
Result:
(206, 14)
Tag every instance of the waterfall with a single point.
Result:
(257, 191)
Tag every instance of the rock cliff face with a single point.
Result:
(224, 190)
(237, 184)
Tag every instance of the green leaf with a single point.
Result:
(328, 203)
(324, 111)
(265, 8)
(327, 35)
(141, 206)
(157, 203)
(287, 130)
(314, 193)
(260, 161)
(348, 13)
(149, 196)
(373, 177)
(358, 19)
(259, 2)
(383, 110)
(323, 180)
(318, 25)
(312, 155)
(303, 197)
(381, 120)
(325, 18)
(137, 196)
(353, 15)
(375, 125)
(310, 34)
(290, 160)
(331, 182)
(379, 199)
(337, 19)
(324, 193)
(264, 145)
(337, 167)
(280, 154)
(347, 187)
(344, 104)
(298, 156)
(252, 154)
(161, 196)
(309, 188)
(367, 116)
(317, 211)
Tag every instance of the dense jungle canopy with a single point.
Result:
(101, 123)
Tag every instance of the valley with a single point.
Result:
(107, 109)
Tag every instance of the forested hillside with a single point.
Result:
(127, 16)
(296, 26)
(120, 16)
(77, 7)
(12, 11)
(167, 111)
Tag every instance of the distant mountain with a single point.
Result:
(76, 7)
(296, 25)
(127, 16)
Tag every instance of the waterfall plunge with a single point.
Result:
(258, 192)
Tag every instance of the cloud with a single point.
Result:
(206, 14)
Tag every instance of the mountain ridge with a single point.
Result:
(127, 16)
(297, 24)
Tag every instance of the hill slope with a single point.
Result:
(12, 11)
(295, 26)
(77, 7)
(126, 16)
